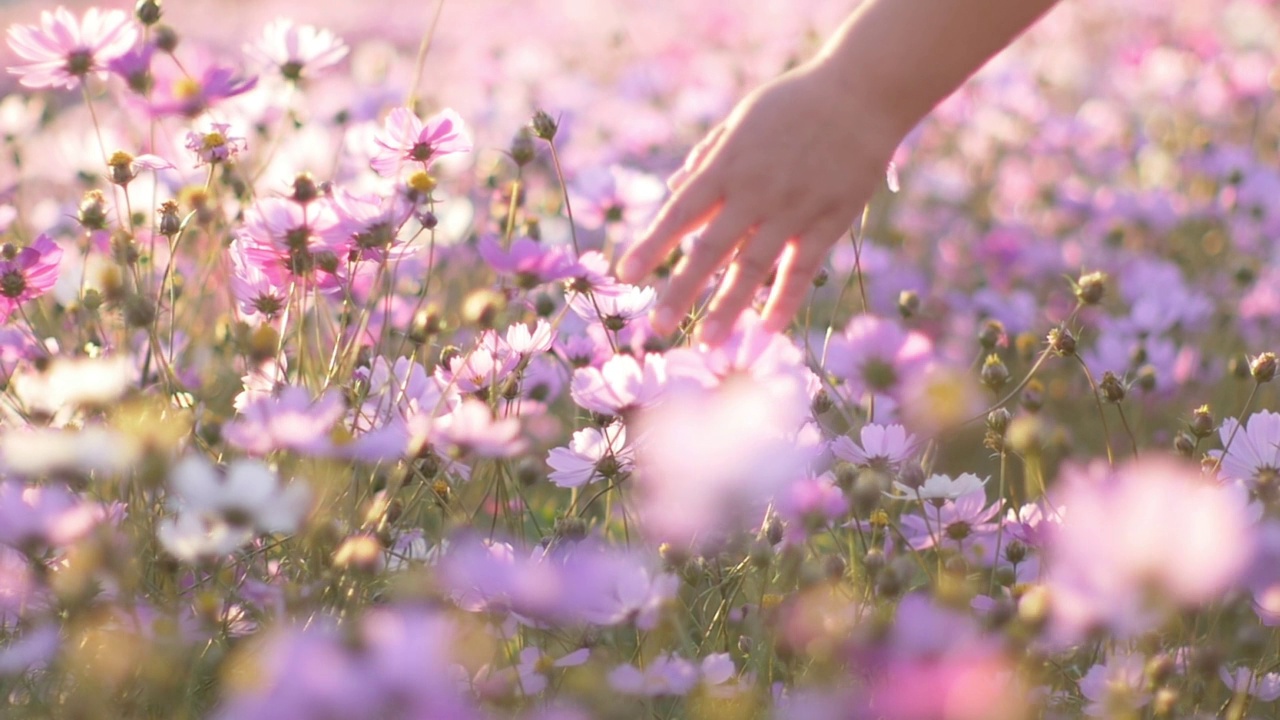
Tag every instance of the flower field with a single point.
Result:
(322, 399)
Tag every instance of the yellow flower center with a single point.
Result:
(186, 88)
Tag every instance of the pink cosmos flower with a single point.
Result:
(1150, 529)
(593, 454)
(620, 385)
(663, 675)
(531, 262)
(176, 93)
(289, 420)
(884, 447)
(48, 515)
(614, 306)
(878, 356)
(1252, 450)
(61, 51)
(27, 273)
(615, 194)
(216, 146)
(962, 523)
(298, 52)
(471, 428)
(1117, 686)
(407, 139)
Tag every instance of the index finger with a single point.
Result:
(689, 207)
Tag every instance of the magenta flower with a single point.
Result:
(190, 95)
(298, 52)
(61, 51)
(27, 273)
(407, 139)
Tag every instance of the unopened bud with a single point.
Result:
(93, 211)
(1091, 287)
(522, 149)
(1263, 367)
(1110, 387)
(991, 334)
(821, 278)
(998, 420)
(1202, 422)
(1184, 444)
(304, 188)
(908, 304)
(147, 11)
(1033, 396)
(482, 307)
(426, 322)
(994, 372)
(165, 38)
(571, 528)
(544, 126)
(1146, 379)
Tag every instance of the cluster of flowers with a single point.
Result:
(316, 406)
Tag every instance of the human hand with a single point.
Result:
(778, 182)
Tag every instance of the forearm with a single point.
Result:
(906, 56)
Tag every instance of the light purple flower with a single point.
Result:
(289, 420)
(43, 515)
(884, 447)
(217, 145)
(878, 356)
(531, 262)
(593, 454)
(1116, 686)
(1252, 450)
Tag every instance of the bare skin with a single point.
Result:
(786, 174)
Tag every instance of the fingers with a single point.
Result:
(801, 260)
(707, 256)
(695, 158)
(749, 269)
(691, 206)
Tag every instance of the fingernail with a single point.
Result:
(664, 320)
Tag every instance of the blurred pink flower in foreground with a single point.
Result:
(709, 462)
(62, 51)
(1152, 529)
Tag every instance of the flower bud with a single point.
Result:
(1202, 422)
(147, 12)
(1090, 288)
(991, 334)
(1238, 367)
(998, 420)
(93, 211)
(522, 149)
(1110, 387)
(165, 38)
(1184, 444)
(1146, 379)
(908, 304)
(821, 278)
(1032, 396)
(1062, 342)
(426, 322)
(544, 126)
(304, 188)
(1263, 367)
(994, 372)
(482, 307)
(170, 223)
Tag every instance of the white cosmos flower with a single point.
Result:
(940, 487)
(192, 536)
(248, 493)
